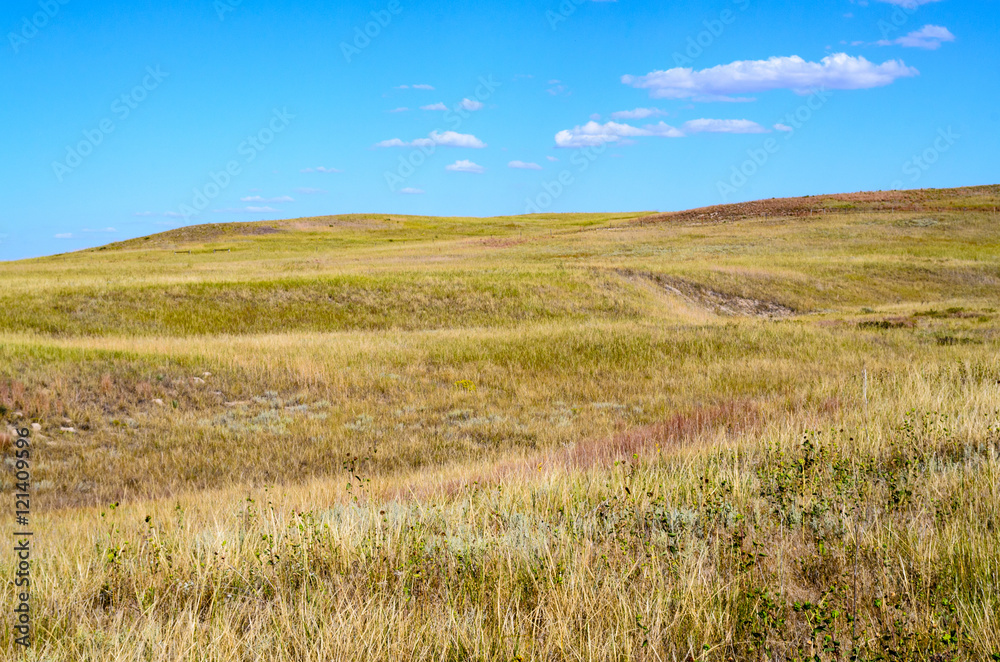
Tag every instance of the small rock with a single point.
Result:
(206, 374)
(198, 380)
(36, 427)
(158, 401)
(68, 429)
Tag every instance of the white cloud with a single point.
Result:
(244, 210)
(304, 190)
(637, 114)
(466, 166)
(929, 37)
(552, 158)
(838, 72)
(521, 165)
(257, 198)
(723, 126)
(321, 169)
(592, 133)
(783, 127)
(423, 86)
(401, 109)
(470, 104)
(396, 142)
(908, 4)
(411, 191)
(445, 139)
(434, 106)
(663, 130)
(64, 235)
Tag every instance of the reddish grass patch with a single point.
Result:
(733, 417)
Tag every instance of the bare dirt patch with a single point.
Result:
(722, 303)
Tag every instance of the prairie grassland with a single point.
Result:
(531, 438)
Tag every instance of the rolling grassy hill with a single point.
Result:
(766, 430)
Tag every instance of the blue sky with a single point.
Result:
(125, 118)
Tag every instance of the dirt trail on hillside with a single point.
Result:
(720, 303)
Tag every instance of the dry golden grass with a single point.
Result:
(534, 438)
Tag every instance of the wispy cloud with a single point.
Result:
(420, 86)
(637, 114)
(411, 191)
(466, 166)
(64, 235)
(321, 169)
(722, 126)
(908, 4)
(592, 133)
(552, 158)
(434, 106)
(401, 109)
(444, 139)
(257, 198)
(556, 88)
(521, 165)
(471, 104)
(836, 72)
(929, 37)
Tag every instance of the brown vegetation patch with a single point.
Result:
(502, 242)
(868, 201)
(887, 323)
